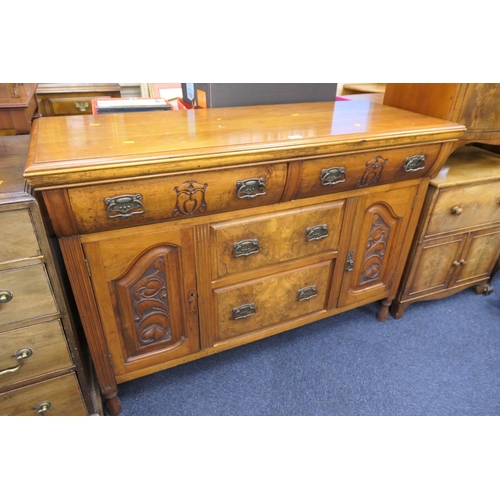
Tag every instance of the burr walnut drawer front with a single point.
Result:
(254, 242)
(18, 236)
(364, 169)
(144, 201)
(60, 396)
(25, 293)
(461, 207)
(258, 304)
(26, 353)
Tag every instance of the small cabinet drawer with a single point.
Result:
(144, 201)
(346, 172)
(18, 236)
(258, 304)
(62, 106)
(254, 242)
(29, 352)
(25, 294)
(461, 207)
(60, 396)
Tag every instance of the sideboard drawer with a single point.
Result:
(144, 201)
(357, 170)
(29, 295)
(31, 352)
(18, 236)
(258, 304)
(258, 241)
(60, 396)
(461, 207)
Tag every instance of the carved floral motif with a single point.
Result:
(150, 305)
(375, 250)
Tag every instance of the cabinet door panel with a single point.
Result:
(435, 267)
(145, 287)
(377, 238)
(481, 253)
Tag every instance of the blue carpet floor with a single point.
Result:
(441, 358)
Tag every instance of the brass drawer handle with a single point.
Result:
(251, 188)
(307, 293)
(332, 176)
(414, 163)
(21, 354)
(315, 233)
(124, 206)
(457, 210)
(43, 408)
(82, 106)
(246, 247)
(244, 311)
(5, 296)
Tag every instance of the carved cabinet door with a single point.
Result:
(377, 238)
(145, 287)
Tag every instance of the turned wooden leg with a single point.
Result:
(113, 404)
(398, 309)
(383, 310)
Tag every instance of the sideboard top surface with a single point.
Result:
(73, 149)
(468, 164)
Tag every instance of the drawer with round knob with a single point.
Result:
(365, 169)
(30, 352)
(253, 242)
(60, 396)
(18, 236)
(258, 304)
(144, 201)
(25, 294)
(461, 207)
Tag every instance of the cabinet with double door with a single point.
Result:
(188, 234)
(457, 244)
(43, 370)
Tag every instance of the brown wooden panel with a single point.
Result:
(346, 172)
(18, 236)
(434, 265)
(145, 286)
(272, 300)
(377, 242)
(465, 206)
(62, 393)
(32, 295)
(49, 352)
(253, 242)
(480, 255)
(175, 197)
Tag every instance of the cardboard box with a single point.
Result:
(219, 95)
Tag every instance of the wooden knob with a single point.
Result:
(457, 210)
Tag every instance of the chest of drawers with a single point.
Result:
(188, 234)
(457, 244)
(41, 368)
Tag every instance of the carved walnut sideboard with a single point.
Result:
(187, 233)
